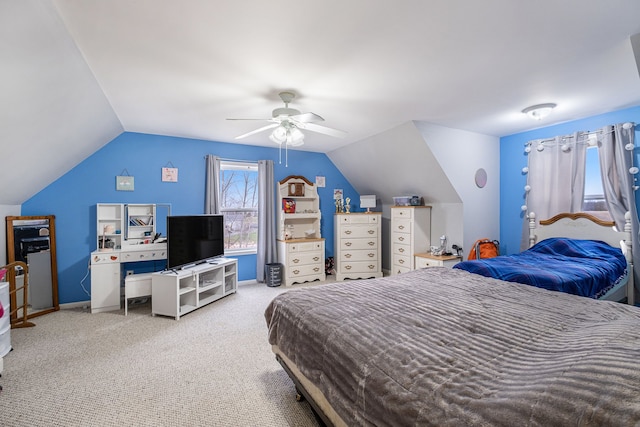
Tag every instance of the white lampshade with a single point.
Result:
(289, 134)
(368, 201)
(279, 135)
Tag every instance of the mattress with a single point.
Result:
(446, 347)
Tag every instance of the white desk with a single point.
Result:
(106, 272)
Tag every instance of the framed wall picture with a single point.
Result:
(169, 174)
(296, 189)
(124, 183)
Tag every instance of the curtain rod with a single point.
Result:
(582, 133)
(233, 160)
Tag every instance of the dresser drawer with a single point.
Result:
(358, 267)
(422, 261)
(402, 261)
(401, 249)
(358, 231)
(359, 219)
(305, 246)
(400, 238)
(401, 213)
(397, 269)
(302, 258)
(353, 244)
(304, 270)
(359, 255)
(401, 226)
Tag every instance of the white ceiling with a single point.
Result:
(182, 67)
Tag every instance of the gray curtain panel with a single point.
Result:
(212, 185)
(267, 249)
(618, 183)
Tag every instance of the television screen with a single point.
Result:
(193, 239)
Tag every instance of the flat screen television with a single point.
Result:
(193, 239)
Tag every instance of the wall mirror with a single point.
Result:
(32, 240)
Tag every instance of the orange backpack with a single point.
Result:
(484, 248)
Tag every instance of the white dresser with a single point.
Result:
(303, 260)
(410, 234)
(357, 245)
(300, 245)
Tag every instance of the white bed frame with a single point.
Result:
(585, 226)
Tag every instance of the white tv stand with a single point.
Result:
(177, 292)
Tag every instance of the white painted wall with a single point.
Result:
(5, 211)
(460, 154)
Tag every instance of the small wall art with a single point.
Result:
(124, 181)
(169, 173)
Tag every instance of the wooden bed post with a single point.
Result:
(532, 226)
(628, 253)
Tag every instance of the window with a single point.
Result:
(239, 205)
(593, 201)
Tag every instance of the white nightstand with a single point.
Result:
(428, 260)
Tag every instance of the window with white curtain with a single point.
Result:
(594, 201)
(239, 204)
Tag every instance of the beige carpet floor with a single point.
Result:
(213, 367)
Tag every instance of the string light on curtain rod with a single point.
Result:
(539, 111)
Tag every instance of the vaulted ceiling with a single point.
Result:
(76, 73)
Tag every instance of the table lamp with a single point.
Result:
(368, 201)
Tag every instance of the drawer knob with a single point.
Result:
(316, 269)
(401, 250)
(371, 255)
(347, 243)
(401, 227)
(372, 243)
(401, 261)
(372, 267)
(401, 238)
(316, 258)
(296, 271)
(347, 232)
(347, 255)
(372, 231)
(347, 267)
(295, 261)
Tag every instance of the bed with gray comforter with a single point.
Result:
(445, 347)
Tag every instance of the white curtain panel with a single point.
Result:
(555, 177)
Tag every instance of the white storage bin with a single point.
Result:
(4, 300)
(5, 341)
(135, 286)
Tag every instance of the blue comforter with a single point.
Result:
(587, 268)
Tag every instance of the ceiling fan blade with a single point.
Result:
(325, 130)
(307, 118)
(271, 126)
(263, 120)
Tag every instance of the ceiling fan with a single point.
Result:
(288, 123)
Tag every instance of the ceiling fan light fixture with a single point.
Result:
(539, 111)
(290, 135)
(279, 135)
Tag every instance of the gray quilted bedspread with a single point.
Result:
(445, 347)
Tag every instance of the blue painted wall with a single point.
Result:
(73, 197)
(513, 159)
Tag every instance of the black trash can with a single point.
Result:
(273, 274)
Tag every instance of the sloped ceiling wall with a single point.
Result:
(397, 162)
(435, 162)
(54, 114)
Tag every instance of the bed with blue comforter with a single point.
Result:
(588, 268)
